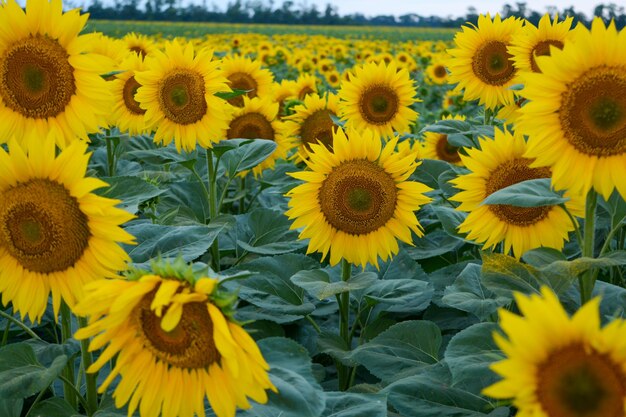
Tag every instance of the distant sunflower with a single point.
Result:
(558, 366)
(127, 113)
(176, 343)
(283, 92)
(378, 97)
(312, 122)
(178, 93)
(534, 41)
(575, 116)
(500, 163)
(245, 74)
(333, 78)
(257, 119)
(436, 146)
(48, 80)
(356, 200)
(139, 44)
(55, 234)
(305, 85)
(436, 72)
(481, 63)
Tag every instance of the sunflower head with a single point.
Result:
(569, 367)
(171, 328)
(245, 74)
(140, 45)
(356, 201)
(436, 145)
(127, 113)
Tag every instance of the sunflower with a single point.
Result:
(245, 74)
(378, 97)
(436, 146)
(177, 92)
(176, 343)
(257, 119)
(500, 163)
(55, 234)
(48, 80)
(305, 85)
(481, 63)
(576, 114)
(534, 41)
(139, 44)
(333, 78)
(559, 366)
(312, 122)
(127, 114)
(282, 92)
(356, 200)
(436, 72)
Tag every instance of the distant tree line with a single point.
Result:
(258, 11)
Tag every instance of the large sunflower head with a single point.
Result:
(49, 82)
(436, 145)
(127, 113)
(178, 93)
(499, 163)
(245, 74)
(481, 63)
(575, 116)
(378, 97)
(176, 343)
(55, 234)
(257, 119)
(356, 201)
(558, 366)
(312, 122)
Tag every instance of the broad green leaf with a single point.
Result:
(227, 95)
(55, 407)
(22, 375)
(435, 243)
(428, 172)
(11, 407)
(448, 127)
(401, 350)
(266, 232)
(400, 295)
(132, 191)
(317, 283)
(460, 140)
(186, 197)
(346, 404)
(529, 193)
(162, 156)
(503, 275)
(541, 257)
(332, 344)
(450, 219)
(249, 154)
(400, 266)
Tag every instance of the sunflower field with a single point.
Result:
(266, 224)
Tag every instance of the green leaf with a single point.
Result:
(469, 355)
(334, 345)
(460, 140)
(529, 193)
(317, 283)
(163, 156)
(428, 172)
(448, 127)
(266, 232)
(299, 394)
(227, 95)
(540, 257)
(11, 407)
(249, 154)
(55, 407)
(435, 243)
(345, 404)
(22, 375)
(224, 146)
(400, 295)
(401, 266)
(450, 219)
(401, 350)
(503, 275)
(468, 294)
(132, 191)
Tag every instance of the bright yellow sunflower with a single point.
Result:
(378, 97)
(176, 343)
(436, 72)
(140, 44)
(333, 78)
(127, 114)
(481, 63)
(557, 366)
(312, 122)
(534, 41)
(257, 119)
(55, 234)
(356, 200)
(500, 163)
(245, 74)
(305, 84)
(436, 146)
(282, 93)
(178, 94)
(49, 82)
(575, 116)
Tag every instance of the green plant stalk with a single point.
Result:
(90, 378)
(587, 279)
(75, 390)
(344, 323)
(24, 327)
(579, 236)
(110, 157)
(69, 390)
(211, 172)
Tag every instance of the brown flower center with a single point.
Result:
(579, 382)
(379, 104)
(358, 197)
(542, 49)
(190, 345)
(128, 94)
(242, 81)
(305, 92)
(509, 173)
(181, 97)
(593, 112)
(250, 126)
(440, 71)
(492, 64)
(318, 127)
(36, 78)
(139, 51)
(445, 151)
(42, 226)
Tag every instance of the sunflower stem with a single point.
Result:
(24, 327)
(69, 390)
(90, 378)
(344, 323)
(579, 236)
(587, 279)
(110, 156)
(215, 249)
